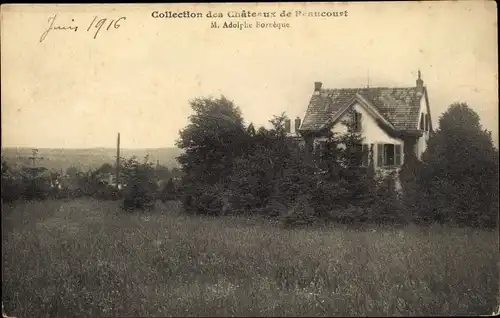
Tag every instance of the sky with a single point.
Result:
(74, 91)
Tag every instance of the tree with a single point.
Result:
(169, 191)
(35, 182)
(214, 137)
(251, 130)
(460, 170)
(176, 173)
(264, 172)
(105, 168)
(10, 189)
(140, 188)
(72, 171)
(162, 172)
(252, 180)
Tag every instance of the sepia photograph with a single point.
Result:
(250, 159)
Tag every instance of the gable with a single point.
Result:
(425, 107)
(422, 112)
(370, 128)
(398, 106)
(368, 107)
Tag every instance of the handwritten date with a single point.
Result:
(95, 26)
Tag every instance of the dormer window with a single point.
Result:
(357, 122)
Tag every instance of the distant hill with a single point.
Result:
(84, 159)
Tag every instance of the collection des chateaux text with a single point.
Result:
(247, 19)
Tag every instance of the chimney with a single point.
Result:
(317, 86)
(420, 83)
(297, 124)
(287, 125)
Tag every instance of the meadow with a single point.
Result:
(85, 258)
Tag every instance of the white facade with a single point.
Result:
(388, 152)
(422, 141)
(371, 132)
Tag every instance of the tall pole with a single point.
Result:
(118, 161)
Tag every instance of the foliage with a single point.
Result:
(251, 181)
(169, 191)
(459, 175)
(105, 168)
(10, 189)
(162, 172)
(267, 170)
(201, 198)
(340, 189)
(385, 204)
(72, 171)
(139, 186)
(301, 213)
(351, 154)
(214, 137)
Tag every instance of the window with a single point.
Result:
(397, 155)
(319, 149)
(357, 121)
(422, 121)
(388, 155)
(366, 153)
(427, 122)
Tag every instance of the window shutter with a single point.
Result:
(371, 154)
(380, 155)
(397, 155)
(359, 122)
(422, 121)
(365, 155)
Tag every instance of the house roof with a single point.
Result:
(399, 106)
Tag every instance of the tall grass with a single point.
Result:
(87, 258)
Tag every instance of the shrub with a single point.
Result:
(35, 189)
(301, 213)
(459, 175)
(11, 188)
(251, 182)
(201, 198)
(140, 189)
(169, 191)
(386, 204)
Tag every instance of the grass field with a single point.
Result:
(87, 258)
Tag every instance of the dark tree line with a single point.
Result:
(141, 183)
(457, 180)
(231, 168)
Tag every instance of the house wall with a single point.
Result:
(371, 132)
(422, 141)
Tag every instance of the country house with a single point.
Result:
(395, 123)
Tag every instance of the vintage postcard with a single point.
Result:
(240, 159)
